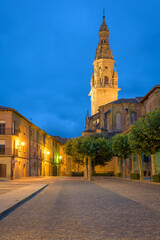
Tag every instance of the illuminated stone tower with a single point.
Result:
(104, 81)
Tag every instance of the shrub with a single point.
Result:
(135, 176)
(156, 178)
(77, 174)
(111, 173)
(119, 175)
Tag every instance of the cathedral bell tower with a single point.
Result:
(104, 81)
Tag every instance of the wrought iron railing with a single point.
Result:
(9, 131)
(8, 151)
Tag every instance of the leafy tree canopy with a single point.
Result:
(73, 148)
(144, 134)
(99, 149)
(120, 146)
(96, 146)
(137, 138)
(152, 129)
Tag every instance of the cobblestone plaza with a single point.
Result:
(107, 208)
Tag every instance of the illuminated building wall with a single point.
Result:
(25, 149)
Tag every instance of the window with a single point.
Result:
(2, 127)
(40, 153)
(105, 80)
(2, 149)
(24, 131)
(34, 152)
(44, 139)
(35, 166)
(35, 133)
(118, 121)
(145, 109)
(133, 117)
(13, 127)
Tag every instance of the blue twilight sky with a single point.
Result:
(47, 48)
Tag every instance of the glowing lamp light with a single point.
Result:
(48, 153)
(22, 143)
(60, 157)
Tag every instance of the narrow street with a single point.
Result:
(107, 208)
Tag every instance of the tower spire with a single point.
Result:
(104, 81)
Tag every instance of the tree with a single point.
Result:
(91, 151)
(152, 132)
(73, 148)
(103, 152)
(121, 148)
(97, 150)
(145, 137)
(138, 143)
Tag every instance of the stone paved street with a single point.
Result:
(75, 209)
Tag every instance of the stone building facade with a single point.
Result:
(25, 149)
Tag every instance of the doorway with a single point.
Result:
(3, 170)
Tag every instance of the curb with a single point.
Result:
(21, 201)
(142, 181)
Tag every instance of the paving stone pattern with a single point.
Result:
(6, 187)
(70, 210)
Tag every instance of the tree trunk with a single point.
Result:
(124, 167)
(124, 163)
(119, 165)
(153, 164)
(89, 169)
(85, 168)
(93, 170)
(132, 156)
(141, 172)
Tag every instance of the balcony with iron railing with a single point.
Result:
(8, 152)
(9, 131)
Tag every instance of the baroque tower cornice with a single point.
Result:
(104, 81)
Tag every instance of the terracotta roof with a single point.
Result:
(96, 114)
(61, 140)
(125, 100)
(139, 98)
(6, 109)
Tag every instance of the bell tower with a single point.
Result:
(104, 81)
